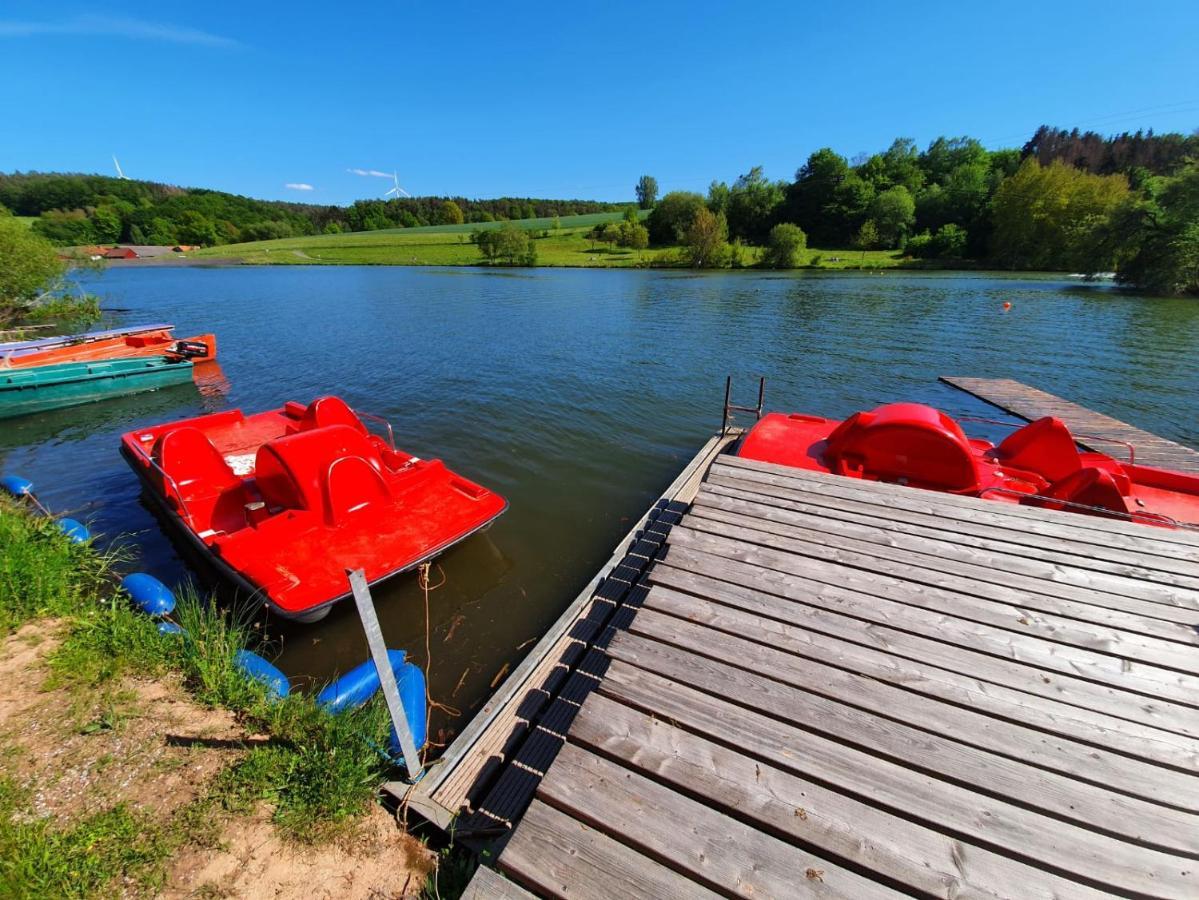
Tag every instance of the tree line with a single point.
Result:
(1064, 201)
(75, 210)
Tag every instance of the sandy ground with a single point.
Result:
(147, 745)
(376, 861)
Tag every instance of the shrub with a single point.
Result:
(785, 247)
(508, 245)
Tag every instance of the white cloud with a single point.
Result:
(116, 26)
(298, 186)
(372, 172)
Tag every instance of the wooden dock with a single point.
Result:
(486, 778)
(837, 688)
(1031, 403)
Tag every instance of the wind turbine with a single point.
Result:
(397, 190)
(121, 175)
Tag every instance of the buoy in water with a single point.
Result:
(359, 684)
(1007, 304)
(76, 531)
(16, 485)
(151, 595)
(254, 666)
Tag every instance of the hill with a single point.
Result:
(77, 209)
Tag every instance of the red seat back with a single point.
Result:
(325, 411)
(351, 485)
(1090, 486)
(904, 442)
(292, 471)
(195, 466)
(1044, 447)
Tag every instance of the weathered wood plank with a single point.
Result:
(1106, 654)
(488, 884)
(916, 672)
(1152, 584)
(1031, 403)
(701, 843)
(1146, 591)
(472, 760)
(1166, 545)
(558, 856)
(957, 565)
(802, 811)
(1121, 816)
(989, 654)
(1090, 856)
(1170, 543)
(968, 725)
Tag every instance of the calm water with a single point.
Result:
(579, 395)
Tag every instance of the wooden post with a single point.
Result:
(387, 679)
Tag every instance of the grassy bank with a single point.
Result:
(128, 759)
(450, 245)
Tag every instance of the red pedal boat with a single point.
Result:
(917, 445)
(284, 501)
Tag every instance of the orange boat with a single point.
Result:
(201, 348)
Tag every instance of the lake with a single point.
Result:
(579, 394)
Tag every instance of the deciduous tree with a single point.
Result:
(753, 204)
(450, 214)
(673, 215)
(647, 191)
(706, 243)
(893, 212)
(29, 264)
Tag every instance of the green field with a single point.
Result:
(28, 220)
(450, 245)
(585, 221)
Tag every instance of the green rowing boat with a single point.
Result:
(25, 391)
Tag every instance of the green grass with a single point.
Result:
(44, 574)
(587, 220)
(318, 771)
(85, 860)
(26, 220)
(449, 245)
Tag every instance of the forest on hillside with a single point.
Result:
(74, 210)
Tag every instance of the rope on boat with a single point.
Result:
(1139, 518)
(422, 577)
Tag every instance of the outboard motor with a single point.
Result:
(190, 349)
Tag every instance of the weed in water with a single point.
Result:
(455, 868)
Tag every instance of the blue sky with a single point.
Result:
(562, 99)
